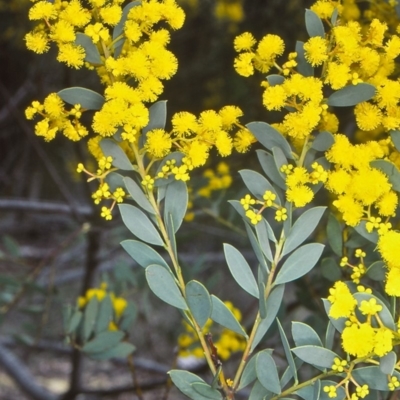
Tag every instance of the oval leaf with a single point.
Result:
(157, 116)
(315, 355)
(139, 224)
(183, 381)
(257, 184)
(267, 372)
(323, 141)
(240, 270)
(206, 390)
(176, 201)
(222, 315)
(199, 301)
(351, 95)
(105, 316)
(270, 169)
(303, 228)
(120, 159)
(163, 285)
(121, 350)
(89, 317)
(87, 98)
(269, 137)
(288, 354)
(103, 341)
(314, 25)
(304, 335)
(143, 254)
(274, 302)
(92, 54)
(249, 373)
(138, 195)
(299, 263)
(388, 362)
(395, 135)
(373, 377)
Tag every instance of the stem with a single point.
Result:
(131, 364)
(247, 352)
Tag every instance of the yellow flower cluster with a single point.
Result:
(219, 180)
(359, 270)
(362, 336)
(254, 215)
(119, 303)
(227, 342)
(104, 192)
(56, 118)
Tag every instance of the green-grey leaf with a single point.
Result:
(288, 354)
(89, 317)
(74, 322)
(199, 301)
(163, 285)
(92, 54)
(390, 169)
(377, 271)
(373, 377)
(323, 141)
(114, 181)
(169, 222)
(274, 79)
(310, 392)
(268, 164)
(206, 391)
(183, 381)
(267, 372)
(222, 315)
(238, 207)
(395, 135)
(105, 315)
(256, 247)
(299, 263)
(269, 137)
(352, 95)
(384, 315)
(334, 234)
(119, 28)
(143, 254)
(304, 335)
(157, 117)
(249, 373)
(258, 392)
(240, 270)
(176, 201)
(88, 99)
(303, 66)
(274, 302)
(314, 25)
(330, 269)
(138, 195)
(315, 355)
(139, 224)
(121, 350)
(128, 317)
(257, 184)
(261, 299)
(103, 341)
(362, 230)
(329, 336)
(120, 159)
(303, 228)
(388, 362)
(263, 238)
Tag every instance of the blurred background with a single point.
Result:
(53, 244)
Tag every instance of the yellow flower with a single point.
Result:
(370, 307)
(230, 115)
(184, 123)
(274, 97)
(392, 286)
(210, 121)
(197, 152)
(358, 340)
(42, 10)
(71, 55)
(338, 75)
(37, 42)
(243, 64)
(111, 15)
(343, 302)
(244, 42)
(383, 342)
(158, 143)
(299, 195)
(316, 50)
(243, 140)
(388, 246)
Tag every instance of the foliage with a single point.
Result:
(349, 61)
